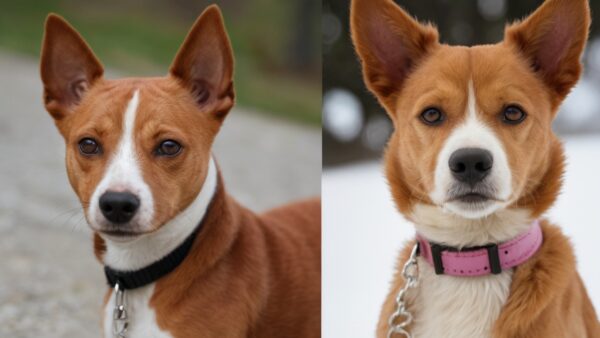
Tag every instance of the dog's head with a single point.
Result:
(137, 150)
(472, 125)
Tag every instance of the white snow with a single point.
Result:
(363, 232)
(580, 109)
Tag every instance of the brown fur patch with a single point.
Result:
(547, 298)
(247, 275)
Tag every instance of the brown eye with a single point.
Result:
(168, 148)
(432, 116)
(513, 115)
(89, 146)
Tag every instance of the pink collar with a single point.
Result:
(482, 260)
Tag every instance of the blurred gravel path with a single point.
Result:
(50, 283)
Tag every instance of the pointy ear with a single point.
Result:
(552, 40)
(68, 67)
(389, 43)
(204, 63)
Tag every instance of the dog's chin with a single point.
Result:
(118, 236)
(119, 233)
(473, 207)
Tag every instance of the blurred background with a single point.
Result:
(276, 44)
(356, 127)
(269, 148)
(362, 230)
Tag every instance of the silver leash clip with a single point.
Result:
(402, 318)
(120, 318)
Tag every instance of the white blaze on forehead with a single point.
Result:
(124, 174)
(473, 133)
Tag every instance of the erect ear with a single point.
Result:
(68, 67)
(204, 63)
(389, 43)
(552, 39)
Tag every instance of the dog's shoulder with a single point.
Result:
(546, 293)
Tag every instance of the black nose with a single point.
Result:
(119, 207)
(471, 165)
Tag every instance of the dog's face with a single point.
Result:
(137, 150)
(472, 125)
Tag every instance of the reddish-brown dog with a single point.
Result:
(192, 262)
(493, 107)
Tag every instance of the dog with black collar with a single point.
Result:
(182, 258)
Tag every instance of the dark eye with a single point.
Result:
(89, 146)
(168, 148)
(432, 116)
(513, 115)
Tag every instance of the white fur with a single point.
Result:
(472, 134)
(148, 249)
(124, 174)
(448, 306)
(442, 227)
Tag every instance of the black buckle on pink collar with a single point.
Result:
(492, 250)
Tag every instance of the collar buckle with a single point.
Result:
(493, 258)
(436, 254)
(492, 253)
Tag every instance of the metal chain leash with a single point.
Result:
(401, 318)
(120, 318)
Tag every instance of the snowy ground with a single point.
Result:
(362, 233)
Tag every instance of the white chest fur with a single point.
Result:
(448, 306)
(142, 319)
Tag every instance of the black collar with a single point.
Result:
(135, 279)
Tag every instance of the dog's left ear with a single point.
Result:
(553, 39)
(204, 63)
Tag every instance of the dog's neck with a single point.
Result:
(147, 249)
(439, 303)
(443, 227)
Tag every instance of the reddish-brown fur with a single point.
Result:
(536, 65)
(247, 275)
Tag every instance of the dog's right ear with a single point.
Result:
(552, 40)
(68, 67)
(204, 63)
(389, 43)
